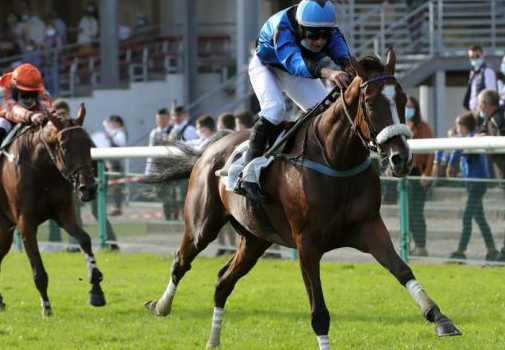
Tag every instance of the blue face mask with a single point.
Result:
(502, 68)
(409, 112)
(477, 63)
(25, 105)
(482, 115)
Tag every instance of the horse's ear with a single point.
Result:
(357, 67)
(390, 61)
(54, 119)
(81, 114)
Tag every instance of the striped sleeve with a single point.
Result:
(11, 110)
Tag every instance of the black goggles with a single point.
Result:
(316, 33)
(28, 94)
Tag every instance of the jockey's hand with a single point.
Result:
(38, 118)
(340, 78)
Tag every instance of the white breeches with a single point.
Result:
(269, 84)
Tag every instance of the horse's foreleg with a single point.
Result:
(374, 239)
(250, 250)
(309, 263)
(191, 246)
(95, 276)
(6, 235)
(28, 233)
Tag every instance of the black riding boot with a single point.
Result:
(261, 133)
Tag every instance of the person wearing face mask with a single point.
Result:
(492, 120)
(23, 98)
(88, 27)
(52, 42)
(501, 81)
(422, 165)
(482, 76)
(290, 52)
(205, 128)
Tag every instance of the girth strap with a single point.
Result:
(325, 170)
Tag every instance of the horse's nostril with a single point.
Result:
(396, 159)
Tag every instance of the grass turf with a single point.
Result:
(268, 309)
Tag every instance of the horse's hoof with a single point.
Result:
(97, 299)
(2, 306)
(151, 305)
(445, 328)
(46, 312)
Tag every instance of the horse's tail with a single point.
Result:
(178, 164)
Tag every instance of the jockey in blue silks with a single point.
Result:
(289, 58)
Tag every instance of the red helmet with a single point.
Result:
(27, 77)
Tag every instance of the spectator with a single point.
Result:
(441, 158)
(52, 42)
(59, 24)
(244, 120)
(473, 166)
(158, 136)
(116, 133)
(88, 27)
(422, 165)
(205, 128)
(482, 76)
(182, 130)
(501, 81)
(32, 55)
(33, 29)
(226, 121)
(14, 34)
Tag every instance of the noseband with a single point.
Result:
(69, 175)
(376, 138)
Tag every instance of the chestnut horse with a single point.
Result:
(38, 171)
(324, 195)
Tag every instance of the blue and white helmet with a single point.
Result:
(316, 14)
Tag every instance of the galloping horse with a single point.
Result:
(324, 195)
(38, 172)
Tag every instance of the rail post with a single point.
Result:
(101, 201)
(403, 187)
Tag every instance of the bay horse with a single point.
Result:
(39, 170)
(323, 195)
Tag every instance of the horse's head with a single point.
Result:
(70, 149)
(381, 110)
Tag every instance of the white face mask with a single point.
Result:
(51, 32)
(199, 133)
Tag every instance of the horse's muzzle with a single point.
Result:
(87, 192)
(399, 156)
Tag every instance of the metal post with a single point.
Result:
(109, 43)
(442, 123)
(440, 21)
(493, 25)
(432, 29)
(190, 48)
(403, 187)
(101, 198)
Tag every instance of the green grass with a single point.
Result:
(268, 309)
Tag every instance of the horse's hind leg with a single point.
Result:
(95, 276)
(374, 238)
(248, 253)
(6, 235)
(203, 219)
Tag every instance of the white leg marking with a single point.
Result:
(164, 304)
(419, 295)
(324, 342)
(215, 330)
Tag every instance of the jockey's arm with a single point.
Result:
(16, 113)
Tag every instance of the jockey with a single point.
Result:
(289, 58)
(23, 98)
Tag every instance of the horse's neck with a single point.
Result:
(30, 147)
(342, 147)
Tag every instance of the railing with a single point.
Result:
(435, 28)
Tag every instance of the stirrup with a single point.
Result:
(253, 191)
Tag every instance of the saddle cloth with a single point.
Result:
(235, 166)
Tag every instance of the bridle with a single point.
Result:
(377, 139)
(56, 156)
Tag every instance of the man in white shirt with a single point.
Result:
(182, 130)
